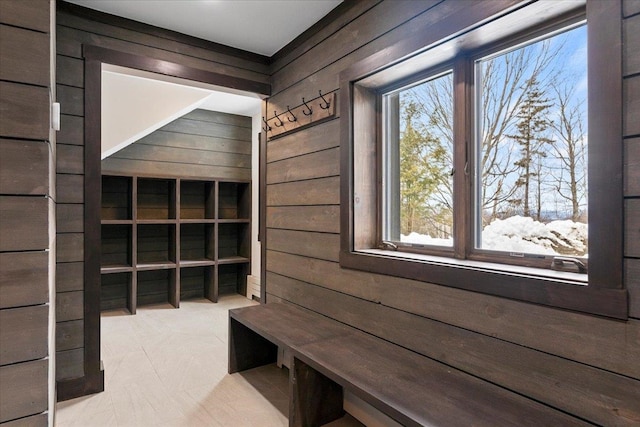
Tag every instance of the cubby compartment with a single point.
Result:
(232, 279)
(197, 200)
(115, 291)
(233, 242)
(166, 239)
(197, 244)
(156, 199)
(196, 282)
(155, 286)
(156, 246)
(116, 198)
(234, 200)
(115, 248)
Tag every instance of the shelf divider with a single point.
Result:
(180, 227)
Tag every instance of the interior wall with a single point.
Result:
(26, 206)
(581, 364)
(199, 144)
(77, 26)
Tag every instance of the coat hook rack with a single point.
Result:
(309, 110)
(292, 115)
(279, 122)
(327, 104)
(309, 113)
(266, 126)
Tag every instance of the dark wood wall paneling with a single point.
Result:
(199, 144)
(578, 363)
(69, 215)
(77, 26)
(25, 154)
(631, 97)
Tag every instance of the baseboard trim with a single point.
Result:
(81, 386)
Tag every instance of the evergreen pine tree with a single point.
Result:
(532, 125)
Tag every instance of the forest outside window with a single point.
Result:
(529, 203)
(478, 174)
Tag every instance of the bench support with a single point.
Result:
(314, 399)
(248, 349)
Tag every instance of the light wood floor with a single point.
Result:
(168, 367)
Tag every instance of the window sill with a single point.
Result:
(564, 277)
(551, 288)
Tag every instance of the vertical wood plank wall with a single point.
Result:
(585, 365)
(77, 26)
(25, 153)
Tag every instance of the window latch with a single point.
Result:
(561, 263)
(388, 245)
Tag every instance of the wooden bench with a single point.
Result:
(328, 357)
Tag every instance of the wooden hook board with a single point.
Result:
(302, 121)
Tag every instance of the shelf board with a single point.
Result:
(116, 222)
(196, 262)
(197, 221)
(234, 221)
(160, 265)
(156, 221)
(233, 260)
(110, 269)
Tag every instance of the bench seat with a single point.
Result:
(328, 357)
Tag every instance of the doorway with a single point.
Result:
(95, 57)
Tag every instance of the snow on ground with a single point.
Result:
(523, 234)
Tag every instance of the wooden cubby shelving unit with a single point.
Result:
(169, 239)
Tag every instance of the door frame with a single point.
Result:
(94, 57)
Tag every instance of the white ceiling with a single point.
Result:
(260, 26)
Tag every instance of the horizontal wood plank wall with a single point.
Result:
(25, 155)
(77, 26)
(199, 144)
(581, 364)
(70, 216)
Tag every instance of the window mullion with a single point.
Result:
(462, 137)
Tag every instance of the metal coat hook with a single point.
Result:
(266, 126)
(326, 103)
(308, 108)
(292, 115)
(275, 114)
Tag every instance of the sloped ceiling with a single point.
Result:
(136, 103)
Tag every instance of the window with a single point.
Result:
(480, 173)
(529, 186)
(417, 159)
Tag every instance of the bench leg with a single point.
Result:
(248, 349)
(314, 399)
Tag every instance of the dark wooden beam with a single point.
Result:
(172, 69)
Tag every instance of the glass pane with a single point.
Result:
(531, 185)
(420, 203)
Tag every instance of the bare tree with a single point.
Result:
(505, 82)
(570, 148)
